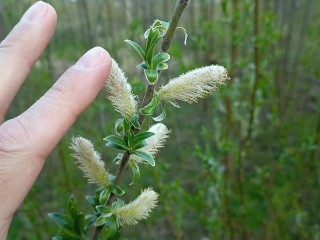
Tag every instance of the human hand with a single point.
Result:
(26, 140)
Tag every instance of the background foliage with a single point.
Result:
(244, 164)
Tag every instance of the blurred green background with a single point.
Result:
(241, 164)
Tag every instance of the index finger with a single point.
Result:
(21, 49)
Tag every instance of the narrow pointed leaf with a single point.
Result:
(152, 40)
(104, 196)
(162, 115)
(127, 130)
(136, 47)
(117, 146)
(79, 224)
(103, 209)
(118, 191)
(135, 122)
(114, 138)
(150, 107)
(146, 156)
(102, 219)
(162, 66)
(143, 65)
(160, 58)
(136, 172)
(116, 142)
(139, 145)
(140, 137)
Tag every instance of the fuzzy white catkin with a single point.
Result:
(193, 85)
(140, 208)
(119, 92)
(155, 142)
(89, 161)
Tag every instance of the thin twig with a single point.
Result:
(256, 72)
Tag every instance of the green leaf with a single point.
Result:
(126, 140)
(140, 137)
(143, 65)
(126, 124)
(151, 75)
(135, 170)
(102, 219)
(114, 138)
(72, 207)
(135, 122)
(104, 196)
(139, 145)
(110, 231)
(118, 127)
(136, 47)
(117, 146)
(152, 40)
(161, 26)
(146, 33)
(117, 190)
(59, 218)
(127, 130)
(146, 156)
(103, 209)
(116, 142)
(79, 224)
(160, 58)
(150, 107)
(162, 66)
(162, 114)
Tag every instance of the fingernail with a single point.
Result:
(36, 11)
(93, 58)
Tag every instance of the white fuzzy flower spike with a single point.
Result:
(119, 92)
(140, 208)
(193, 85)
(161, 134)
(90, 161)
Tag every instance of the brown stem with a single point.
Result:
(256, 72)
(228, 156)
(167, 39)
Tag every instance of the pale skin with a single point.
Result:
(26, 140)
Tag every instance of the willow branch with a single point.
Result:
(167, 39)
